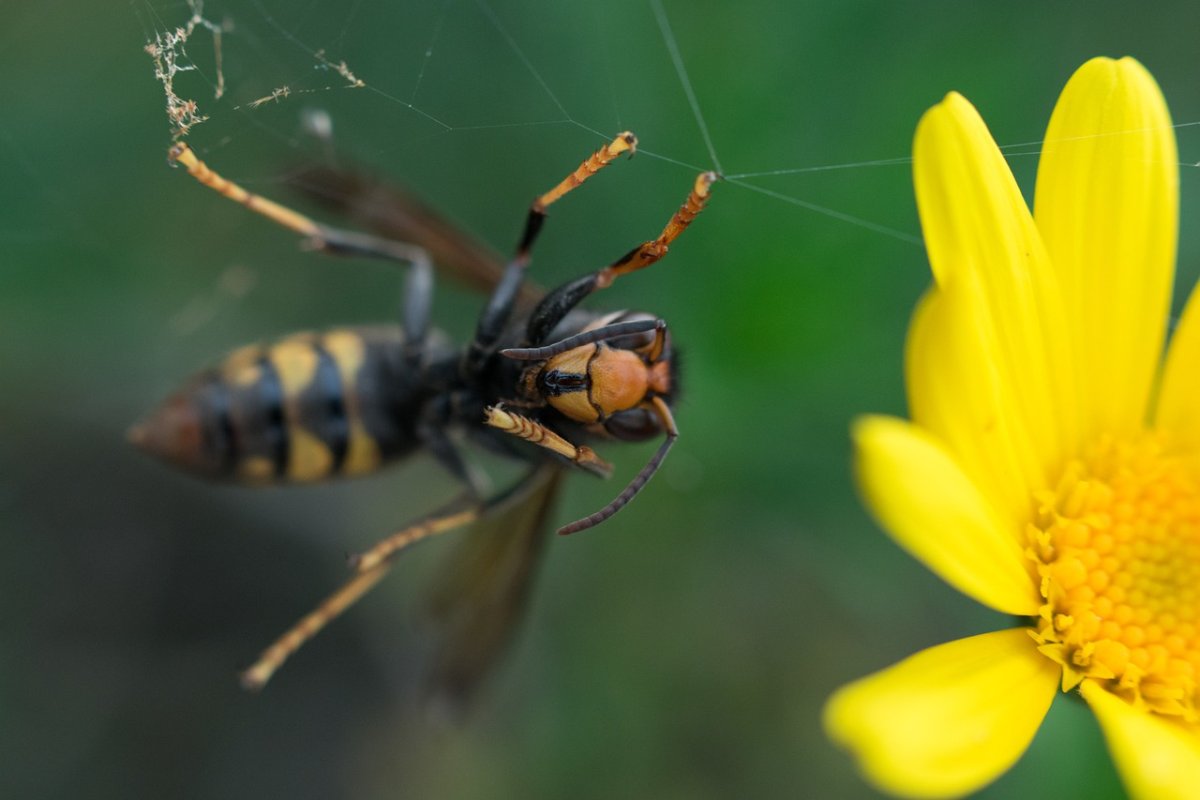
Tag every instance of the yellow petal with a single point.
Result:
(1158, 758)
(957, 392)
(933, 511)
(980, 233)
(1178, 409)
(1107, 206)
(948, 720)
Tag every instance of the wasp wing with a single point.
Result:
(483, 589)
(397, 214)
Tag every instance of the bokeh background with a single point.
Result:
(682, 650)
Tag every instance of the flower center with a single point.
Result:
(1117, 548)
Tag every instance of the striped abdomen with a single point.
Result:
(305, 408)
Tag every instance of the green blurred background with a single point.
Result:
(682, 650)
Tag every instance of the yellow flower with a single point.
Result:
(1052, 466)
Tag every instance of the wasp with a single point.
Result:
(532, 384)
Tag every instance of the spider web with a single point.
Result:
(580, 75)
(465, 100)
(449, 62)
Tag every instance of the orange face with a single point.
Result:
(595, 381)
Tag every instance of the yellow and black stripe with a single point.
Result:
(305, 408)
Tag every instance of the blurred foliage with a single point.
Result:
(684, 649)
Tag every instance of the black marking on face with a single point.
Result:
(555, 382)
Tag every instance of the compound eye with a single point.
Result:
(633, 425)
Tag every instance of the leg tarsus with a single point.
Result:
(369, 568)
(256, 676)
(318, 236)
(499, 308)
(652, 250)
(559, 302)
(335, 241)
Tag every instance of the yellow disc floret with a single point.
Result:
(1117, 548)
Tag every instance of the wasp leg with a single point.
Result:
(536, 433)
(418, 301)
(433, 437)
(319, 236)
(383, 550)
(650, 251)
(657, 406)
(499, 308)
(625, 142)
(419, 283)
(369, 567)
(559, 302)
(257, 675)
